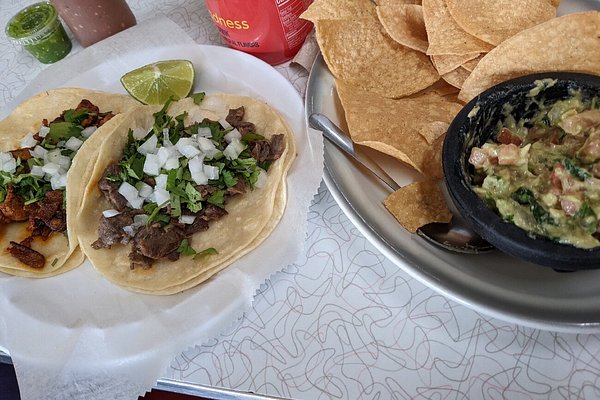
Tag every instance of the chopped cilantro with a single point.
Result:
(574, 170)
(206, 252)
(217, 198)
(198, 97)
(75, 116)
(61, 131)
(229, 179)
(252, 137)
(185, 248)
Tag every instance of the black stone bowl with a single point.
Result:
(465, 133)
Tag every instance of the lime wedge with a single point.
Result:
(155, 83)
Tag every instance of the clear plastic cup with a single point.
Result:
(40, 32)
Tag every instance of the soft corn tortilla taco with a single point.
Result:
(211, 214)
(36, 189)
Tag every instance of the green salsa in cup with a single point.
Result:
(38, 29)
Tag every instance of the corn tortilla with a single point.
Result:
(61, 251)
(251, 217)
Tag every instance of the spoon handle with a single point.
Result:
(344, 143)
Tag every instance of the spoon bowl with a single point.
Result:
(454, 236)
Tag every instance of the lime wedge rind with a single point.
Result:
(154, 83)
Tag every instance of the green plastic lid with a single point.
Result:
(32, 23)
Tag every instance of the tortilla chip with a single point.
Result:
(457, 77)
(390, 126)
(396, 2)
(567, 43)
(418, 204)
(445, 63)
(338, 9)
(494, 21)
(471, 64)
(404, 23)
(445, 35)
(360, 53)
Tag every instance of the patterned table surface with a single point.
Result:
(345, 322)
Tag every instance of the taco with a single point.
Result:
(40, 143)
(178, 193)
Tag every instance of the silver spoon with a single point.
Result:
(454, 236)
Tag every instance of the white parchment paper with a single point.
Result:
(79, 336)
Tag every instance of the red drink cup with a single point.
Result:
(268, 29)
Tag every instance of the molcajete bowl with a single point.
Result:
(473, 126)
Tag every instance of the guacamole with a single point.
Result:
(542, 173)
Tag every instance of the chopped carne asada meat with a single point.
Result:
(139, 260)
(13, 206)
(24, 154)
(111, 230)
(27, 255)
(238, 188)
(235, 117)
(49, 211)
(156, 242)
(265, 150)
(111, 189)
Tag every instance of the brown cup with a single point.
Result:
(94, 20)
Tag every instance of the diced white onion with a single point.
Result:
(149, 146)
(5, 157)
(52, 156)
(151, 165)
(232, 134)
(10, 166)
(140, 219)
(38, 171)
(38, 152)
(172, 163)
(163, 155)
(233, 149)
(161, 181)
(110, 213)
(28, 140)
(61, 143)
(139, 133)
(188, 147)
(208, 147)
(144, 190)
(261, 181)
(129, 230)
(64, 162)
(211, 172)
(58, 181)
(131, 195)
(73, 143)
(187, 219)
(196, 169)
(43, 131)
(51, 168)
(204, 132)
(87, 132)
(161, 196)
(225, 124)
(166, 138)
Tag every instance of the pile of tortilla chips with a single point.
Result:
(404, 68)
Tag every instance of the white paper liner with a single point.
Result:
(79, 336)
